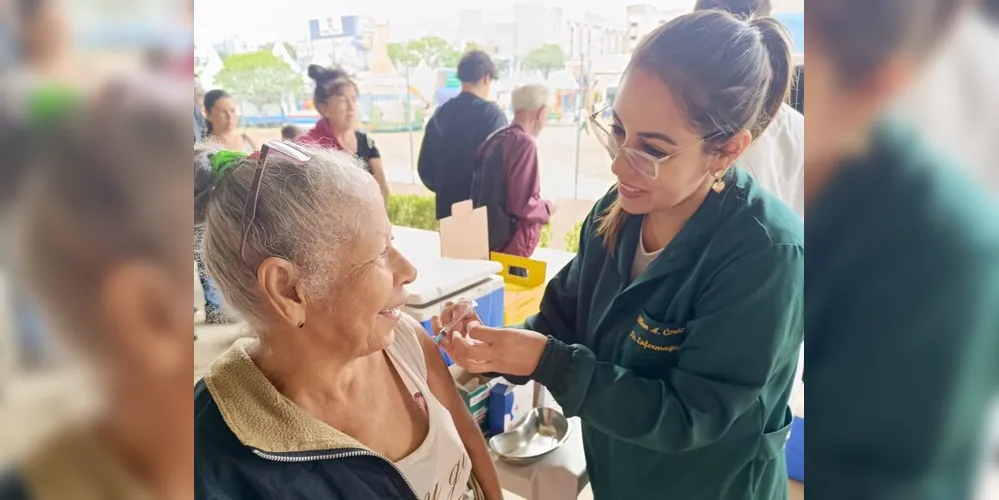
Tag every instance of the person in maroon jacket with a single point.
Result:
(507, 179)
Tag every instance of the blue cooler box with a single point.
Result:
(794, 452)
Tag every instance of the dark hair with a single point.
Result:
(28, 9)
(727, 74)
(289, 132)
(330, 82)
(991, 9)
(212, 97)
(475, 65)
(739, 8)
(860, 35)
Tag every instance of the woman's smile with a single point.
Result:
(629, 191)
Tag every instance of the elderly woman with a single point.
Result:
(340, 395)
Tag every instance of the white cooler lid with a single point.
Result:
(439, 278)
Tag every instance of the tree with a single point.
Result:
(434, 50)
(259, 78)
(546, 58)
(401, 55)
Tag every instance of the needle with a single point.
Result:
(443, 331)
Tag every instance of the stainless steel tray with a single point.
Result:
(537, 433)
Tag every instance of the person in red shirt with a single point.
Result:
(507, 179)
(335, 98)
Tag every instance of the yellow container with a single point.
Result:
(522, 294)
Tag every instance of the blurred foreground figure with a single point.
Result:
(955, 102)
(902, 273)
(97, 212)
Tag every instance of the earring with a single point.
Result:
(718, 185)
(301, 324)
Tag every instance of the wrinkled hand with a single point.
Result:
(508, 351)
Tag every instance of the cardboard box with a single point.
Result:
(474, 391)
(507, 403)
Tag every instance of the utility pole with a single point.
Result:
(580, 119)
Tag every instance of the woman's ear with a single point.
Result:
(280, 284)
(732, 149)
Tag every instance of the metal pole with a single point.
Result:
(580, 123)
(409, 122)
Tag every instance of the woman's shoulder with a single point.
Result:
(914, 193)
(365, 144)
(406, 344)
(753, 218)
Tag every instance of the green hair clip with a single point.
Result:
(223, 162)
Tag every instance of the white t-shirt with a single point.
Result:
(439, 468)
(777, 158)
(643, 258)
(955, 104)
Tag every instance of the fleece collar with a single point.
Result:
(259, 415)
(76, 464)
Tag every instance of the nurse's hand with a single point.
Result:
(508, 351)
(455, 317)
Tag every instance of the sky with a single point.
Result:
(261, 21)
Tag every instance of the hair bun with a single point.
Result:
(317, 72)
(322, 74)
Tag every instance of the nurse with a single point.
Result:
(674, 333)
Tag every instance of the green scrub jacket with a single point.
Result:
(682, 377)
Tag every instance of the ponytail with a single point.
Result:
(776, 41)
(609, 225)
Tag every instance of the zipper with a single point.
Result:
(334, 456)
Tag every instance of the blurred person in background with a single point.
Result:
(290, 133)
(902, 273)
(45, 67)
(223, 122)
(674, 332)
(44, 41)
(777, 157)
(335, 98)
(97, 213)
(955, 103)
(340, 395)
(507, 179)
(456, 130)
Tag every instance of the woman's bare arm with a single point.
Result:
(442, 386)
(378, 170)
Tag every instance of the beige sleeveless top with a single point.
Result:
(440, 468)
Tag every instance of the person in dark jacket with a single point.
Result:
(674, 333)
(521, 212)
(341, 395)
(455, 132)
(902, 275)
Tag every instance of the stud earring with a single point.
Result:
(718, 185)
(301, 324)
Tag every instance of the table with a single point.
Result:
(560, 475)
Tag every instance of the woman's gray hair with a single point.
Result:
(306, 214)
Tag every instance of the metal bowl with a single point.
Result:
(537, 433)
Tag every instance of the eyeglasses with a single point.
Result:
(290, 152)
(641, 161)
